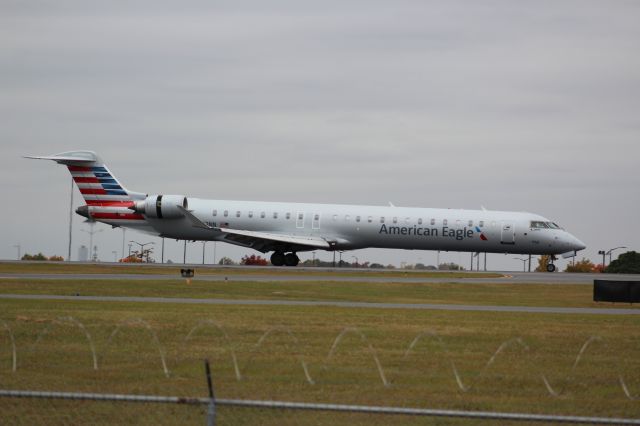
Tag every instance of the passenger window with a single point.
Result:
(288, 216)
(419, 221)
(250, 214)
(316, 217)
(300, 216)
(226, 213)
(433, 222)
(470, 223)
(395, 220)
(444, 222)
(275, 215)
(382, 219)
(238, 213)
(262, 215)
(370, 219)
(481, 224)
(215, 212)
(357, 218)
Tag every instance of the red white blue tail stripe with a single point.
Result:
(107, 199)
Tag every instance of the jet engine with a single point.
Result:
(162, 206)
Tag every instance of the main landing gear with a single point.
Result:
(278, 258)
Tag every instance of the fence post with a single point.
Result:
(211, 408)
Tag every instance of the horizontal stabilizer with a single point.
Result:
(69, 158)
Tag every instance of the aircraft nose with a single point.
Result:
(576, 244)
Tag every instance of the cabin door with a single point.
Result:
(508, 233)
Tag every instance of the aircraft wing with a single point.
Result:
(262, 241)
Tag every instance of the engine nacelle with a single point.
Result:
(162, 206)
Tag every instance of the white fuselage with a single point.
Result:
(350, 227)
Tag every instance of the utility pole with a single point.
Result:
(70, 220)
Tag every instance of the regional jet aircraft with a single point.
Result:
(288, 228)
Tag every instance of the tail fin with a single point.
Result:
(96, 183)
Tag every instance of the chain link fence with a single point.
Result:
(62, 371)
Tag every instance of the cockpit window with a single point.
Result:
(553, 225)
(538, 225)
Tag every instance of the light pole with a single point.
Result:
(610, 251)
(92, 224)
(19, 250)
(524, 263)
(203, 246)
(142, 248)
(124, 231)
(357, 263)
(603, 253)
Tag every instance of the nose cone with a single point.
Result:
(576, 244)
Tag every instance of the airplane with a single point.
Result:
(288, 228)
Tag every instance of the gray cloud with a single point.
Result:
(523, 106)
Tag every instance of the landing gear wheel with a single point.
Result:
(277, 258)
(291, 259)
(551, 267)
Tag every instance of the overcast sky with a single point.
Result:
(527, 106)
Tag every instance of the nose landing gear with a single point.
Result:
(278, 258)
(550, 266)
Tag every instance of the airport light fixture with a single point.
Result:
(611, 251)
(91, 232)
(142, 248)
(19, 250)
(524, 263)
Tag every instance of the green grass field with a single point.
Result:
(145, 269)
(501, 360)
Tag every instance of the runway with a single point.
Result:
(366, 305)
(338, 276)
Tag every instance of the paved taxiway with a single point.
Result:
(409, 277)
(253, 302)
